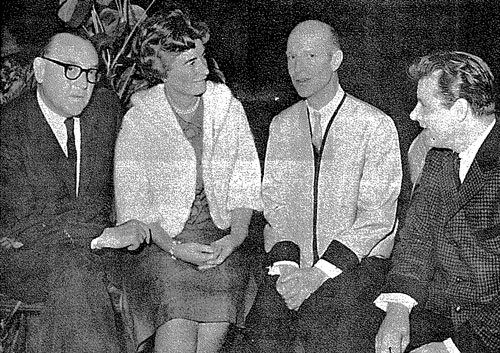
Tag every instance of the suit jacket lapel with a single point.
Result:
(449, 190)
(87, 152)
(471, 186)
(45, 144)
(487, 159)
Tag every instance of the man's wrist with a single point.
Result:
(97, 243)
(394, 308)
(329, 269)
(321, 275)
(275, 268)
(385, 298)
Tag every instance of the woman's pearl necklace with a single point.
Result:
(187, 111)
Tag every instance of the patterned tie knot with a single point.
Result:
(70, 142)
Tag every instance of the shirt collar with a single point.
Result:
(470, 153)
(51, 117)
(328, 110)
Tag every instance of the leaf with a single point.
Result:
(110, 19)
(123, 80)
(129, 37)
(104, 2)
(135, 13)
(80, 13)
(102, 41)
(66, 9)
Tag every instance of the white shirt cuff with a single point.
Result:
(93, 244)
(450, 346)
(331, 270)
(400, 298)
(275, 268)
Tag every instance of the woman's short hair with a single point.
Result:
(463, 75)
(169, 30)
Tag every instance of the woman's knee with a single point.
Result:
(177, 335)
(211, 336)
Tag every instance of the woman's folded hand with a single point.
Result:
(195, 253)
(224, 247)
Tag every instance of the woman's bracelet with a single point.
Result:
(171, 251)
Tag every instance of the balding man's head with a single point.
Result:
(66, 41)
(314, 56)
(65, 83)
(318, 28)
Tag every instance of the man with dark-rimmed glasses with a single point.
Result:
(73, 72)
(56, 196)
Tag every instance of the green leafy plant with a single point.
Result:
(111, 25)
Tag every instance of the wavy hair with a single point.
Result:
(463, 76)
(172, 31)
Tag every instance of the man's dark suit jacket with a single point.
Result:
(56, 264)
(36, 203)
(448, 256)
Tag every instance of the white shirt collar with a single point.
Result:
(328, 110)
(467, 156)
(56, 123)
(51, 117)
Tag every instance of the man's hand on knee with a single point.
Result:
(394, 333)
(298, 285)
(130, 234)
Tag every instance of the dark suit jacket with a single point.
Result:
(448, 255)
(36, 203)
(37, 207)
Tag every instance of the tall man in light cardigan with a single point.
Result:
(443, 292)
(56, 196)
(330, 197)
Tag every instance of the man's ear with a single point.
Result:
(460, 109)
(39, 69)
(337, 58)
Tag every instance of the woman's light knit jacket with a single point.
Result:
(155, 165)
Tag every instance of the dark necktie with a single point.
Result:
(71, 148)
(456, 170)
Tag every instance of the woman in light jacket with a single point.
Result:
(187, 166)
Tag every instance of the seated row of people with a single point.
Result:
(182, 175)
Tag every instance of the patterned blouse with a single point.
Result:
(199, 226)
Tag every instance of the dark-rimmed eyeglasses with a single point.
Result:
(72, 71)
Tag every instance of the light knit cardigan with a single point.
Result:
(155, 165)
(358, 183)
